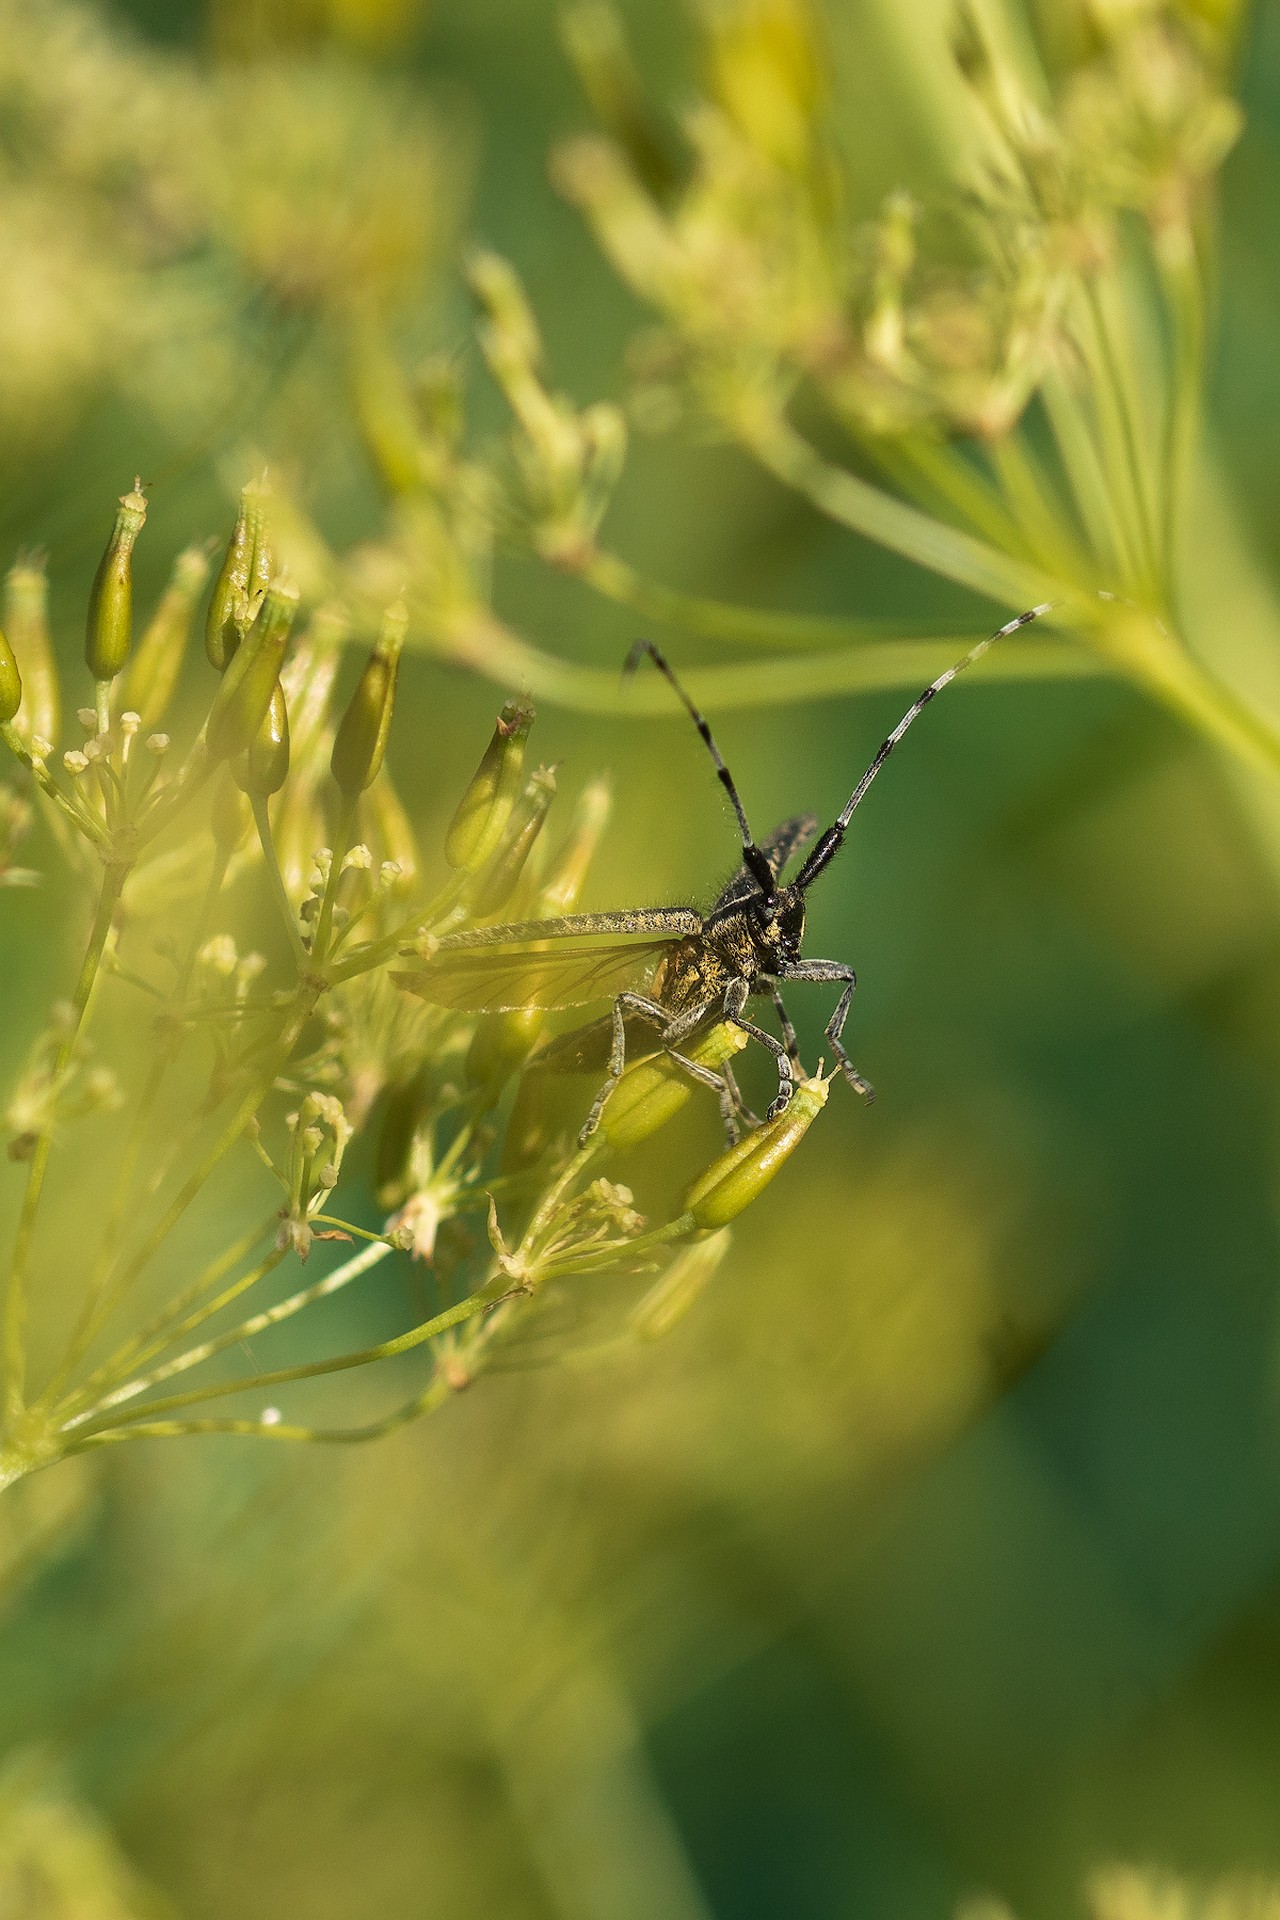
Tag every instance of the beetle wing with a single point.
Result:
(505, 980)
(586, 1049)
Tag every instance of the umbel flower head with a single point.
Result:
(764, 276)
(267, 1062)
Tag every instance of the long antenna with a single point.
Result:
(829, 845)
(752, 858)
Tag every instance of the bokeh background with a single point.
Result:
(937, 1553)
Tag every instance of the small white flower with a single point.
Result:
(418, 1218)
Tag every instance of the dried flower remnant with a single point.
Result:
(220, 1061)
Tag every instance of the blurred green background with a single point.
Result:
(938, 1551)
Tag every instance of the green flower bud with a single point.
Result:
(245, 570)
(361, 740)
(655, 1089)
(10, 683)
(264, 768)
(109, 628)
(596, 42)
(523, 828)
(486, 805)
(26, 622)
(732, 1182)
(262, 564)
(501, 1043)
(680, 1287)
(241, 702)
(152, 674)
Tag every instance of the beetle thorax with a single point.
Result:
(762, 934)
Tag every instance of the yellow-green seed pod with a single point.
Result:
(502, 1042)
(264, 768)
(523, 828)
(406, 1104)
(246, 565)
(250, 681)
(152, 674)
(26, 622)
(262, 561)
(733, 1181)
(596, 42)
(485, 808)
(109, 628)
(680, 1287)
(361, 739)
(10, 683)
(654, 1090)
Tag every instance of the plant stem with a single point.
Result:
(871, 667)
(891, 523)
(1142, 647)
(332, 1283)
(166, 1051)
(486, 1295)
(259, 1088)
(13, 1360)
(152, 1339)
(324, 920)
(615, 579)
(262, 821)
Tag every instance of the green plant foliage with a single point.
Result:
(908, 1546)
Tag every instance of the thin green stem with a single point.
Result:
(163, 1329)
(1184, 298)
(332, 1283)
(1082, 464)
(13, 1367)
(1123, 455)
(485, 1296)
(349, 1227)
(231, 1132)
(870, 667)
(1141, 646)
(615, 579)
(169, 802)
(324, 920)
(877, 516)
(166, 1052)
(1045, 521)
(262, 821)
(933, 473)
(71, 809)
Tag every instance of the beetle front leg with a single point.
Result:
(735, 1000)
(834, 972)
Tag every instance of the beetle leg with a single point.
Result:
(735, 1000)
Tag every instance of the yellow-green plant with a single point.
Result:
(1017, 368)
(211, 1058)
(1014, 368)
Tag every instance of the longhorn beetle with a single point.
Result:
(673, 969)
